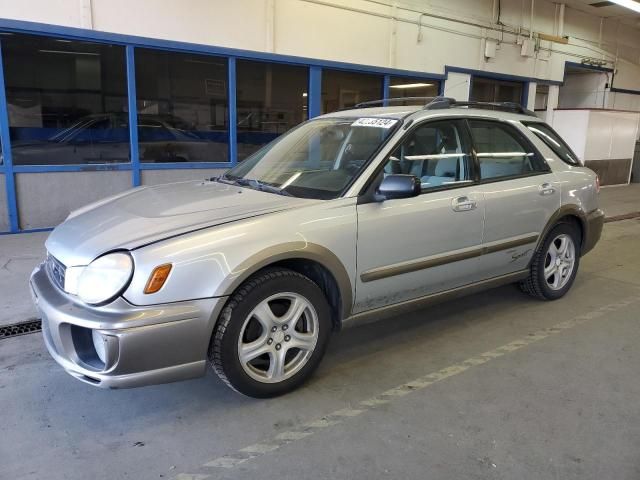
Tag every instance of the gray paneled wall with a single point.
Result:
(45, 199)
(155, 177)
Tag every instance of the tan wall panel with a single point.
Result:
(611, 171)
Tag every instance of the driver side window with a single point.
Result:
(435, 153)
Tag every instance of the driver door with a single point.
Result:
(410, 248)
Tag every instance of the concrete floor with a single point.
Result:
(559, 404)
(620, 200)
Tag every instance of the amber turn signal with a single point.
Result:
(157, 278)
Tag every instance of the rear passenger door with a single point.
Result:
(520, 194)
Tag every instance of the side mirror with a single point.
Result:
(399, 186)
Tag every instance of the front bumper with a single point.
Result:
(593, 230)
(143, 345)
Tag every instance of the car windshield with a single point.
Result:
(318, 159)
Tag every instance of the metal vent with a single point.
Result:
(602, 4)
(22, 328)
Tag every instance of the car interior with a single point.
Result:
(433, 153)
(499, 153)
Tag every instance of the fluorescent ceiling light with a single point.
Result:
(304, 94)
(69, 53)
(630, 4)
(412, 85)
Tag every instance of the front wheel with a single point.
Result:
(272, 334)
(555, 264)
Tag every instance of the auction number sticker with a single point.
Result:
(374, 122)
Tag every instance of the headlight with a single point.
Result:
(105, 278)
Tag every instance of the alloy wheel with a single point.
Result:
(559, 261)
(278, 337)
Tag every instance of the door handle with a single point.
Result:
(463, 204)
(546, 189)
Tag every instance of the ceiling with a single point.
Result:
(611, 11)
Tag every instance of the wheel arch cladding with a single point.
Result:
(567, 214)
(311, 260)
(578, 222)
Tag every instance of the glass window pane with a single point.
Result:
(346, 89)
(182, 107)
(412, 87)
(554, 141)
(270, 98)
(435, 153)
(67, 101)
(490, 90)
(500, 152)
(317, 160)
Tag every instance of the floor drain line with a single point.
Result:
(625, 216)
(22, 328)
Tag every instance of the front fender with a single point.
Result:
(214, 262)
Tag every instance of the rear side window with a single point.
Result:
(545, 133)
(502, 152)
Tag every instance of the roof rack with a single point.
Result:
(447, 102)
(440, 102)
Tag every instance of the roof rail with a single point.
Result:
(441, 102)
(446, 102)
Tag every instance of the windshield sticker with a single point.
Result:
(374, 122)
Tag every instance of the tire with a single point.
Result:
(272, 334)
(542, 283)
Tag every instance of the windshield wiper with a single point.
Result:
(255, 184)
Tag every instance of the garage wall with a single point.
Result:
(45, 199)
(448, 37)
(376, 34)
(584, 90)
(4, 211)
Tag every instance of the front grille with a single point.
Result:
(56, 271)
(22, 328)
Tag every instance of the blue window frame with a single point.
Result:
(182, 107)
(66, 101)
(127, 127)
(271, 98)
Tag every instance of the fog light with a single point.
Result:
(100, 344)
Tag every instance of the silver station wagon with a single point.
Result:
(358, 213)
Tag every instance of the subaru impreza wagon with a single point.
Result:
(358, 213)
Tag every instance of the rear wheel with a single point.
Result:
(555, 264)
(272, 334)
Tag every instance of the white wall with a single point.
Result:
(363, 32)
(598, 135)
(584, 90)
(458, 86)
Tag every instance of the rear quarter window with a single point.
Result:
(554, 141)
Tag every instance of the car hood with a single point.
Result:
(148, 214)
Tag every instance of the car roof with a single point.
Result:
(418, 112)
